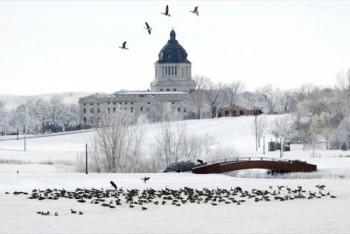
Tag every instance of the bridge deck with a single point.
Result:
(274, 164)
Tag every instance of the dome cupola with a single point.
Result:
(173, 70)
(172, 52)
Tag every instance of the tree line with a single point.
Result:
(40, 116)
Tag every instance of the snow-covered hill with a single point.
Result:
(48, 163)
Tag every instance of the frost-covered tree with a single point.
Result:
(283, 126)
(20, 119)
(198, 103)
(216, 97)
(259, 128)
(118, 143)
(231, 92)
(174, 143)
(270, 96)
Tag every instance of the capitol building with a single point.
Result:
(170, 89)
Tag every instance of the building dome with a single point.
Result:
(172, 52)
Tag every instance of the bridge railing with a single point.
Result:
(245, 159)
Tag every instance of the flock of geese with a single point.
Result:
(149, 29)
(115, 197)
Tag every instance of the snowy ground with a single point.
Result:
(49, 163)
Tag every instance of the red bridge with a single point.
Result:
(274, 164)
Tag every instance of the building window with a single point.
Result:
(141, 109)
(161, 89)
(84, 104)
(131, 109)
(131, 103)
(179, 109)
(126, 103)
(120, 103)
(167, 89)
(91, 103)
(148, 103)
(114, 103)
(84, 110)
(172, 102)
(174, 89)
(175, 71)
(91, 110)
(109, 110)
(98, 110)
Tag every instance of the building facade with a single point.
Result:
(170, 89)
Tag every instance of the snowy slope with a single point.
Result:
(48, 167)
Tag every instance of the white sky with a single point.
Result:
(64, 46)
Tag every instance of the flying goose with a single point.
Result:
(195, 11)
(149, 29)
(166, 13)
(124, 46)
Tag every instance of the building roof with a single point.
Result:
(148, 92)
(172, 52)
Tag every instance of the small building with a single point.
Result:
(236, 110)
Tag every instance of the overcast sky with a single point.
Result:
(71, 46)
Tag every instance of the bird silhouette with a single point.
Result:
(200, 161)
(114, 185)
(166, 13)
(145, 179)
(124, 46)
(149, 29)
(195, 11)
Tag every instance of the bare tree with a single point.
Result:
(159, 112)
(215, 97)
(343, 80)
(198, 102)
(269, 94)
(232, 90)
(173, 143)
(260, 128)
(118, 140)
(282, 126)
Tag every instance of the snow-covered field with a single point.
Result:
(49, 162)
